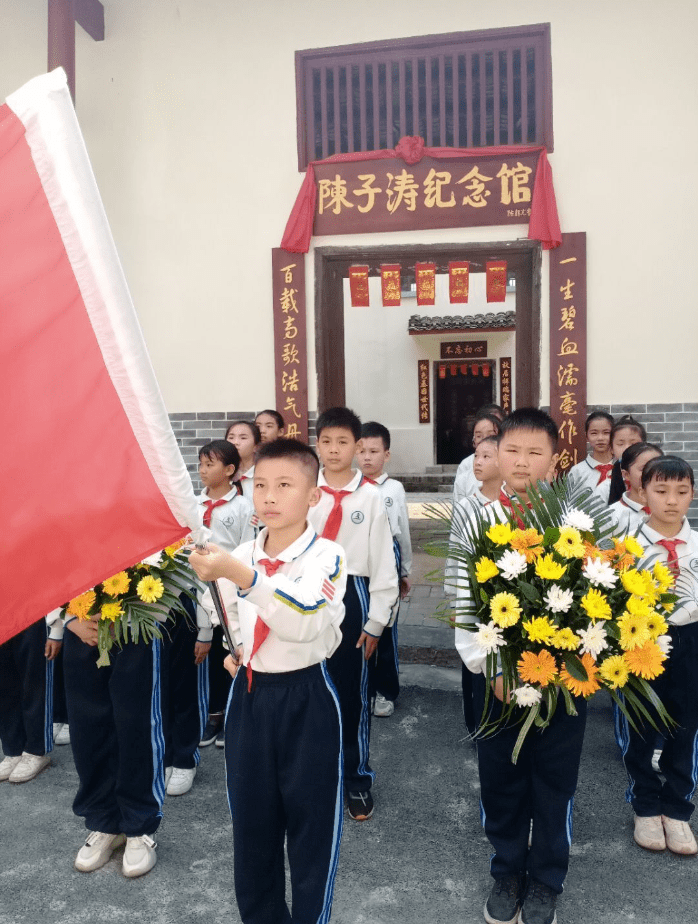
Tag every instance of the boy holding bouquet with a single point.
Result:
(540, 787)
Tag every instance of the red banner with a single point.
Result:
(390, 284)
(458, 281)
(358, 286)
(425, 275)
(496, 280)
(290, 342)
(568, 347)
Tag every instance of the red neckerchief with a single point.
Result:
(261, 629)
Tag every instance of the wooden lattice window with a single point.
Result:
(462, 89)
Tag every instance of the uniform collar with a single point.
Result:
(480, 498)
(594, 463)
(291, 552)
(381, 479)
(651, 535)
(203, 497)
(631, 504)
(351, 486)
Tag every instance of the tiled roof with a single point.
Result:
(419, 324)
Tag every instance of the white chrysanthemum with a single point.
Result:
(489, 637)
(579, 520)
(593, 639)
(600, 573)
(512, 564)
(153, 561)
(664, 642)
(559, 600)
(527, 695)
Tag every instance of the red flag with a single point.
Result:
(97, 481)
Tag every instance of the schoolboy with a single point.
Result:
(663, 809)
(271, 425)
(465, 482)
(540, 787)
(228, 515)
(352, 511)
(373, 455)
(283, 594)
(595, 471)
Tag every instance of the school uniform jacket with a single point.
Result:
(687, 582)
(465, 482)
(587, 473)
(367, 541)
(395, 501)
(628, 515)
(302, 604)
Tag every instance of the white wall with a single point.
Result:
(188, 110)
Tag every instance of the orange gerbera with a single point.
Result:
(537, 668)
(621, 558)
(582, 687)
(528, 542)
(646, 660)
(80, 606)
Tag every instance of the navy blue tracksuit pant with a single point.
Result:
(387, 674)
(353, 678)
(117, 737)
(26, 693)
(540, 787)
(283, 755)
(677, 687)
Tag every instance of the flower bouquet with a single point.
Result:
(132, 604)
(559, 608)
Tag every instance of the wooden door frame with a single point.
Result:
(331, 268)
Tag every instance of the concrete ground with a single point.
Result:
(422, 858)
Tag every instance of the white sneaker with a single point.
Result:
(649, 832)
(63, 736)
(383, 707)
(168, 776)
(139, 856)
(181, 781)
(7, 766)
(656, 755)
(679, 837)
(97, 850)
(57, 726)
(29, 766)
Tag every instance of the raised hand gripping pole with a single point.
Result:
(220, 608)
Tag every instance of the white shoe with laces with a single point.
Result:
(383, 707)
(29, 766)
(649, 832)
(97, 850)
(181, 781)
(139, 856)
(679, 837)
(7, 766)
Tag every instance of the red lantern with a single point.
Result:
(476, 369)
(442, 372)
(454, 369)
(464, 369)
(486, 369)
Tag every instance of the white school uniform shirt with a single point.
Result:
(628, 515)
(302, 604)
(461, 518)
(687, 581)
(367, 541)
(395, 501)
(587, 473)
(465, 482)
(230, 527)
(247, 484)
(55, 625)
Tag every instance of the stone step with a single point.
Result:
(441, 469)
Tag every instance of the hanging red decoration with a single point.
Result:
(390, 284)
(454, 369)
(464, 369)
(486, 369)
(458, 281)
(442, 372)
(358, 286)
(496, 272)
(425, 277)
(476, 369)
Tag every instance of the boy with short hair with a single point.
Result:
(283, 594)
(540, 787)
(663, 809)
(351, 511)
(373, 454)
(595, 471)
(465, 482)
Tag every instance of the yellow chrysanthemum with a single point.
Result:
(582, 687)
(81, 605)
(657, 625)
(638, 606)
(537, 668)
(485, 569)
(500, 533)
(549, 569)
(595, 605)
(570, 544)
(111, 611)
(633, 546)
(504, 610)
(668, 606)
(662, 576)
(540, 629)
(150, 589)
(646, 660)
(634, 631)
(566, 639)
(528, 542)
(651, 587)
(633, 582)
(615, 671)
(116, 585)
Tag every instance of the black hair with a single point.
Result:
(598, 415)
(634, 451)
(222, 451)
(339, 417)
(489, 439)
(667, 468)
(488, 409)
(272, 413)
(495, 421)
(285, 448)
(630, 453)
(530, 418)
(254, 429)
(627, 421)
(373, 429)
